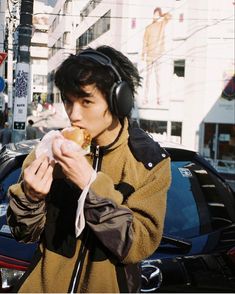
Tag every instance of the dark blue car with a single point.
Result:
(197, 252)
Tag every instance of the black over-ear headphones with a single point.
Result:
(121, 98)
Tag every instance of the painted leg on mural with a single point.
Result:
(157, 79)
(147, 83)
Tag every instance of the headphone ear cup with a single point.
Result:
(124, 99)
(121, 99)
(112, 98)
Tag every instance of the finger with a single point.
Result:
(40, 188)
(61, 158)
(36, 164)
(67, 151)
(48, 174)
(42, 169)
(46, 185)
(32, 178)
(55, 147)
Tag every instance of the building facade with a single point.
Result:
(184, 51)
(63, 23)
(39, 52)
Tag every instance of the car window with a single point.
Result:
(198, 201)
(10, 179)
(182, 218)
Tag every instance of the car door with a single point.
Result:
(198, 231)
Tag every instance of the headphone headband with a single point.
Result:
(101, 59)
(121, 96)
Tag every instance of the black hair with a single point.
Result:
(78, 71)
(30, 121)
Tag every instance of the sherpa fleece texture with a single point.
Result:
(123, 229)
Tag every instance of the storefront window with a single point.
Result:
(153, 126)
(219, 141)
(226, 142)
(160, 131)
(176, 131)
(219, 147)
(210, 141)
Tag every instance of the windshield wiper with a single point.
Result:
(177, 241)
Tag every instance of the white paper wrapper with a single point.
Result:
(80, 219)
(44, 146)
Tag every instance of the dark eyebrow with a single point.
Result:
(83, 95)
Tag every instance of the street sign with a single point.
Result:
(2, 84)
(21, 95)
(19, 125)
(3, 56)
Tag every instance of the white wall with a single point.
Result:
(205, 39)
(211, 55)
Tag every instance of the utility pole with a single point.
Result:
(9, 42)
(22, 70)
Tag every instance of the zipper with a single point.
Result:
(83, 248)
(96, 158)
(78, 265)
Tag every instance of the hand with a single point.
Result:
(74, 165)
(37, 178)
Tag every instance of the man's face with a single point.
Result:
(91, 113)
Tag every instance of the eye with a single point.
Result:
(86, 102)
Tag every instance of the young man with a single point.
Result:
(126, 200)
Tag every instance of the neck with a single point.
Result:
(110, 134)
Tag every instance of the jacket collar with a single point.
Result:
(122, 137)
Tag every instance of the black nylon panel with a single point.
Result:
(59, 232)
(144, 149)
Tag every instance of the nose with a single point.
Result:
(75, 112)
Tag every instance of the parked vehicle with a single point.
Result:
(197, 252)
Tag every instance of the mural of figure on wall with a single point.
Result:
(153, 49)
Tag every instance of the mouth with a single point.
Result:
(76, 126)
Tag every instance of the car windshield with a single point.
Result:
(198, 201)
